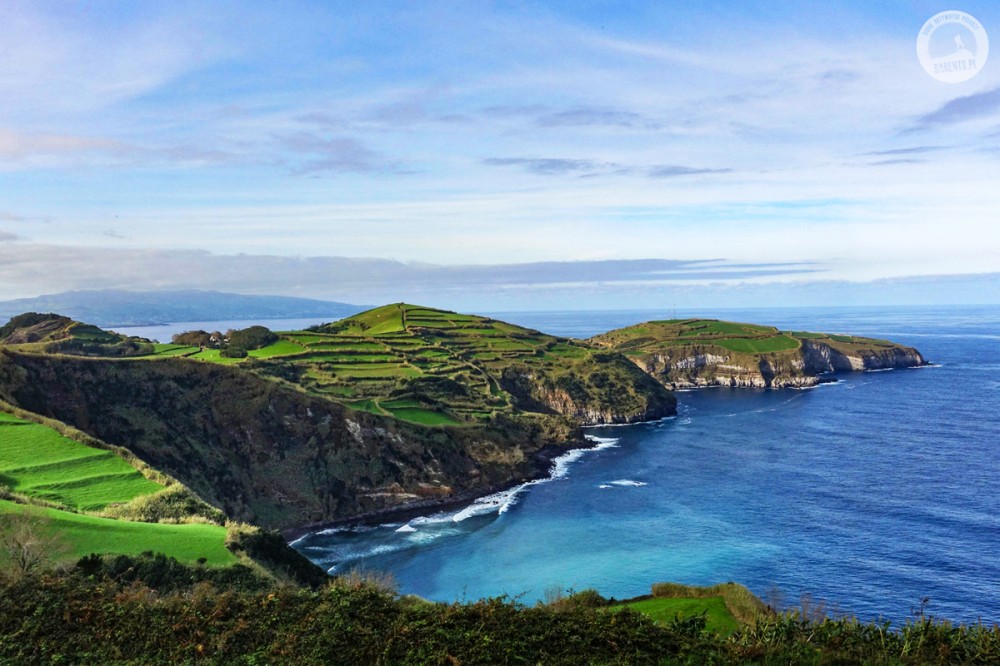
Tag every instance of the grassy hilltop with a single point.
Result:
(435, 367)
(704, 352)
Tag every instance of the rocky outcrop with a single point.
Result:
(609, 391)
(820, 357)
(697, 367)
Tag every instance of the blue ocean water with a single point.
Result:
(870, 494)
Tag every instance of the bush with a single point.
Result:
(193, 338)
(230, 351)
(253, 337)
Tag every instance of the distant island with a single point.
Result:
(118, 307)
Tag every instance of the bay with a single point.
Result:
(871, 494)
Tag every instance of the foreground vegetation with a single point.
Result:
(103, 613)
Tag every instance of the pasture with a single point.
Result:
(83, 535)
(37, 461)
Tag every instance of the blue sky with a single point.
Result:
(477, 155)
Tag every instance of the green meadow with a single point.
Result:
(448, 368)
(656, 336)
(37, 461)
(717, 616)
(84, 535)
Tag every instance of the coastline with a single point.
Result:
(544, 464)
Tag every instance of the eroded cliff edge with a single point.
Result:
(687, 353)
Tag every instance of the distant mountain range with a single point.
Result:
(115, 307)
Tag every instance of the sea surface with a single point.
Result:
(872, 495)
(163, 332)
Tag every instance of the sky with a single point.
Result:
(544, 155)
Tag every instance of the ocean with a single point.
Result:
(875, 495)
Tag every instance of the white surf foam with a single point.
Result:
(629, 483)
(407, 528)
(501, 502)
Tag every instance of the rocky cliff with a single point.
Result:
(698, 353)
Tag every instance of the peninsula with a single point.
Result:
(686, 353)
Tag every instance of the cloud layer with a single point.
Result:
(550, 133)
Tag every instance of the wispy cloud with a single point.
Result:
(6, 236)
(15, 146)
(675, 170)
(960, 109)
(559, 166)
(552, 166)
(338, 154)
(915, 150)
(587, 117)
(55, 268)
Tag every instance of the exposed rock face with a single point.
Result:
(824, 358)
(695, 367)
(613, 392)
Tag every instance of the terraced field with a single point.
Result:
(417, 364)
(732, 336)
(85, 534)
(40, 463)
(432, 367)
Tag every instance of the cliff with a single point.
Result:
(693, 352)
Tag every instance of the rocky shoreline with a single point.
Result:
(542, 461)
(814, 364)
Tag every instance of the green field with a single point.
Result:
(664, 610)
(169, 349)
(449, 366)
(677, 336)
(775, 343)
(39, 462)
(279, 348)
(423, 416)
(88, 534)
(457, 369)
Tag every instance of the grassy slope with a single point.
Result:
(40, 463)
(748, 338)
(90, 534)
(745, 345)
(717, 616)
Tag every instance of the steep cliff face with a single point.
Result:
(268, 454)
(695, 353)
(684, 369)
(820, 357)
(607, 389)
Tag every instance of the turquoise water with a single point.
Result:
(870, 494)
